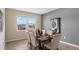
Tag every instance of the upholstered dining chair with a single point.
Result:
(34, 44)
(53, 45)
(28, 41)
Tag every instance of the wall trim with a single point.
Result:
(14, 40)
(70, 44)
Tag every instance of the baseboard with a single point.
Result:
(14, 40)
(70, 44)
(2, 48)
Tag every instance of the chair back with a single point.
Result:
(33, 39)
(55, 41)
(28, 40)
(28, 37)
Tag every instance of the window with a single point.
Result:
(31, 22)
(21, 23)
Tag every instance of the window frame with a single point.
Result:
(34, 21)
(17, 24)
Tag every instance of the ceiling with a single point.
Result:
(36, 10)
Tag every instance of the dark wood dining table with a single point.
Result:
(46, 39)
(43, 39)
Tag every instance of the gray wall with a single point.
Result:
(69, 23)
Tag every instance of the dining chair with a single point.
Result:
(53, 45)
(34, 44)
(28, 40)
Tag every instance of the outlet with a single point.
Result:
(64, 37)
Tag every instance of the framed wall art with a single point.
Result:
(56, 25)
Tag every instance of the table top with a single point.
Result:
(49, 37)
(43, 38)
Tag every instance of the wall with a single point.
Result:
(11, 28)
(69, 23)
(2, 34)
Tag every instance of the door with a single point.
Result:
(2, 28)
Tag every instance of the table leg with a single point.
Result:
(39, 44)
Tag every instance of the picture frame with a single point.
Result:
(56, 25)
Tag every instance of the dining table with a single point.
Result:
(44, 39)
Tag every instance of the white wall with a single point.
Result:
(2, 34)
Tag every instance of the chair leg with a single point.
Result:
(57, 49)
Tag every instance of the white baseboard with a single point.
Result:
(14, 40)
(2, 48)
(70, 44)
